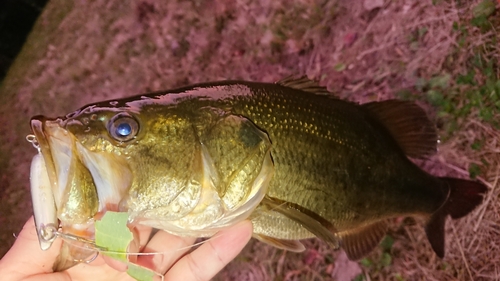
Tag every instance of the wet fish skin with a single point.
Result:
(340, 169)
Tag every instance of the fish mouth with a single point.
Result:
(45, 178)
(71, 184)
(55, 145)
(43, 147)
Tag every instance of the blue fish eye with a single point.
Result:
(123, 127)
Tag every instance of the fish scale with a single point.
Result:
(330, 169)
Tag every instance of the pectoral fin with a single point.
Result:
(308, 219)
(360, 241)
(289, 245)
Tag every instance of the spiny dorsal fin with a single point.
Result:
(289, 245)
(304, 84)
(308, 219)
(360, 241)
(408, 125)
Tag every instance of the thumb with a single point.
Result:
(26, 261)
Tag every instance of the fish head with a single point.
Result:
(184, 167)
(94, 156)
(89, 161)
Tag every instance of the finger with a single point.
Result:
(25, 258)
(141, 237)
(169, 248)
(58, 276)
(142, 233)
(211, 257)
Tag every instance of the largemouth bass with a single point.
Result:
(289, 156)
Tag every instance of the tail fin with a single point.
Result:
(464, 196)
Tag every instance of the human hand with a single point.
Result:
(26, 261)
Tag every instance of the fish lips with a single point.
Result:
(37, 127)
(50, 177)
(43, 178)
(61, 151)
(55, 144)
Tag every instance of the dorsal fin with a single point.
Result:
(309, 220)
(360, 241)
(408, 125)
(304, 84)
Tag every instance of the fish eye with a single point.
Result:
(123, 127)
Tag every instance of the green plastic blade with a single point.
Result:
(112, 233)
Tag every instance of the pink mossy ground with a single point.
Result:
(87, 51)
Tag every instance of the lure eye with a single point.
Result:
(123, 127)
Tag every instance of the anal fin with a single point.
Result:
(308, 219)
(360, 241)
(289, 245)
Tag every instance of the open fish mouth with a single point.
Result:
(70, 184)
(45, 179)
(56, 145)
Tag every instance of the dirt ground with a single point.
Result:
(82, 52)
